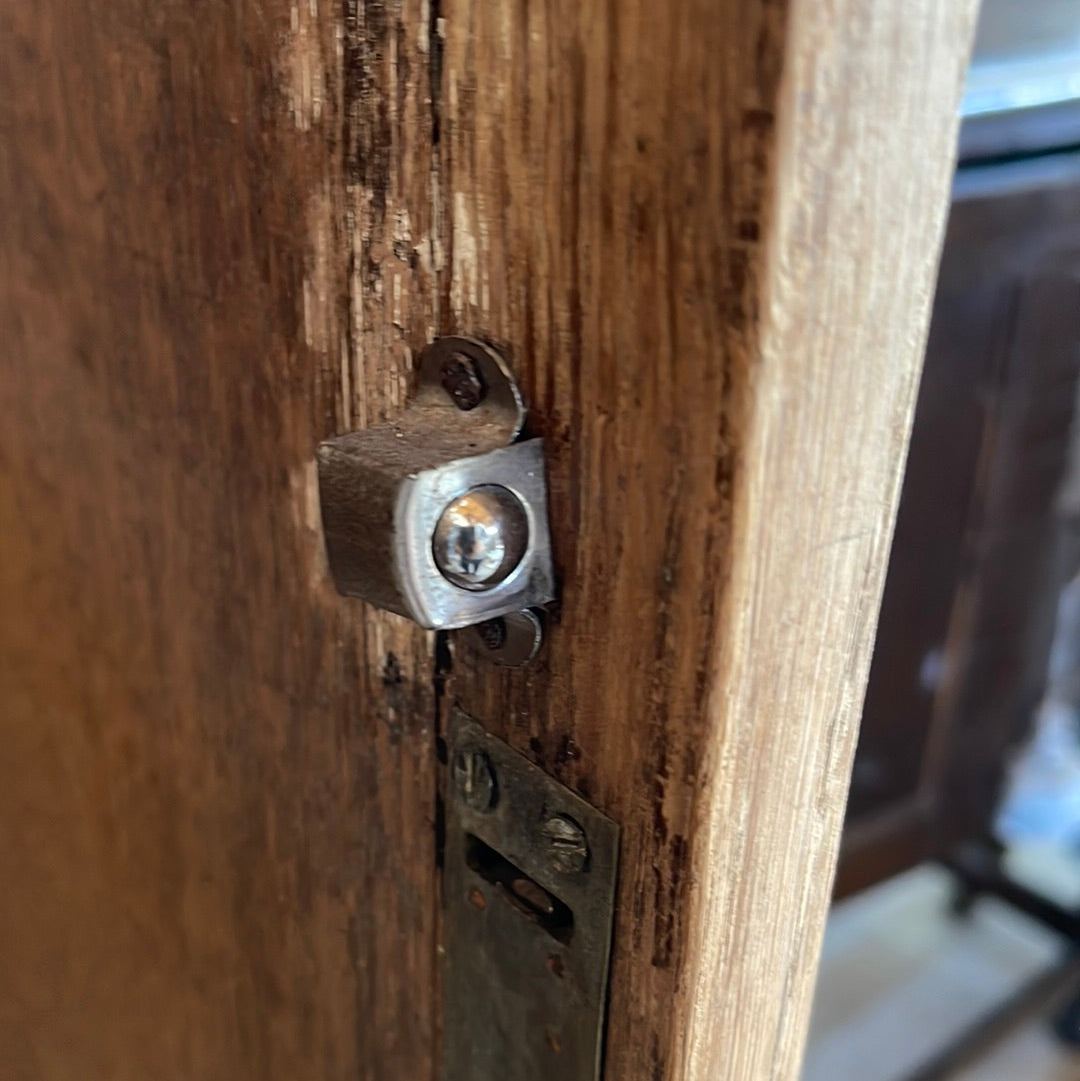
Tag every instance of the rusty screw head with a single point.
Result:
(474, 779)
(461, 380)
(567, 848)
(492, 632)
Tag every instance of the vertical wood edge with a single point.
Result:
(867, 127)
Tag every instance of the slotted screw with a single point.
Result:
(492, 632)
(567, 849)
(474, 779)
(461, 380)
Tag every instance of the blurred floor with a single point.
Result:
(901, 978)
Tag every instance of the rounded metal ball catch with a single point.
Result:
(440, 514)
(481, 537)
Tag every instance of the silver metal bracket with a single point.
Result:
(529, 892)
(441, 515)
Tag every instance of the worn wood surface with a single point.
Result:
(216, 789)
(862, 168)
(704, 232)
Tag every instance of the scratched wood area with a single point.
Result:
(705, 233)
(708, 233)
(216, 790)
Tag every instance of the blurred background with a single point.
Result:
(953, 948)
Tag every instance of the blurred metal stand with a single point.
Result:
(1022, 102)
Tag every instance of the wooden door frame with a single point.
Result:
(706, 235)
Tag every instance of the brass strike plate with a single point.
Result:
(529, 892)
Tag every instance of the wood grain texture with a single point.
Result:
(698, 230)
(863, 165)
(606, 180)
(707, 232)
(216, 791)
